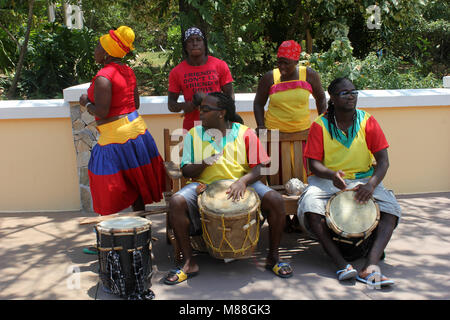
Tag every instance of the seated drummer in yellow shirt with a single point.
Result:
(218, 111)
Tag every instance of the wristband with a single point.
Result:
(87, 107)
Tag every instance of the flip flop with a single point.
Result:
(181, 276)
(370, 280)
(347, 273)
(90, 250)
(277, 267)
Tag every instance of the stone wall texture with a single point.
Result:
(85, 136)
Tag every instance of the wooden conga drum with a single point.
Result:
(230, 228)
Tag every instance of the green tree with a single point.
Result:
(413, 35)
(22, 47)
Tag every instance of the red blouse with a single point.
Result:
(123, 83)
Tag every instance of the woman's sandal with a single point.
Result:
(91, 250)
(278, 266)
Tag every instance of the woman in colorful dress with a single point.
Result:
(195, 76)
(125, 168)
(342, 144)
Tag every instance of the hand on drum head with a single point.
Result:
(338, 180)
(200, 188)
(236, 190)
(363, 192)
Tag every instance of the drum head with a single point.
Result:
(214, 199)
(124, 224)
(346, 216)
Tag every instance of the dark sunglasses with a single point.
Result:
(206, 108)
(346, 94)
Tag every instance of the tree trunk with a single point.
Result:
(11, 36)
(309, 41)
(23, 49)
(195, 17)
(295, 24)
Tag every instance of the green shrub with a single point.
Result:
(152, 80)
(372, 72)
(57, 58)
(8, 53)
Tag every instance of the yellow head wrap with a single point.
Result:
(117, 43)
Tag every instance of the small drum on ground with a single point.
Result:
(351, 222)
(124, 251)
(230, 228)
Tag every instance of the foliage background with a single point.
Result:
(409, 50)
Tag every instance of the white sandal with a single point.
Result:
(374, 280)
(348, 273)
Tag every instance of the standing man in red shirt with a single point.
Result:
(196, 76)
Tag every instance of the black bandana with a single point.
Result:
(193, 31)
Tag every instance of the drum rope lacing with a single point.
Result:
(224, 238)
(113, 268)
(138, 269)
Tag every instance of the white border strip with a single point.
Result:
(60, 108)
(34, 109)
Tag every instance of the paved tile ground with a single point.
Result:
(41, 258)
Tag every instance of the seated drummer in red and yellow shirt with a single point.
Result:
(340, 149)
(236, 153)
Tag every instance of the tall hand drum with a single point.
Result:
(351, 222)
(124, 251)
(230, 228)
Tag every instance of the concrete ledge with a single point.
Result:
(60, 108)
(34, 109)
